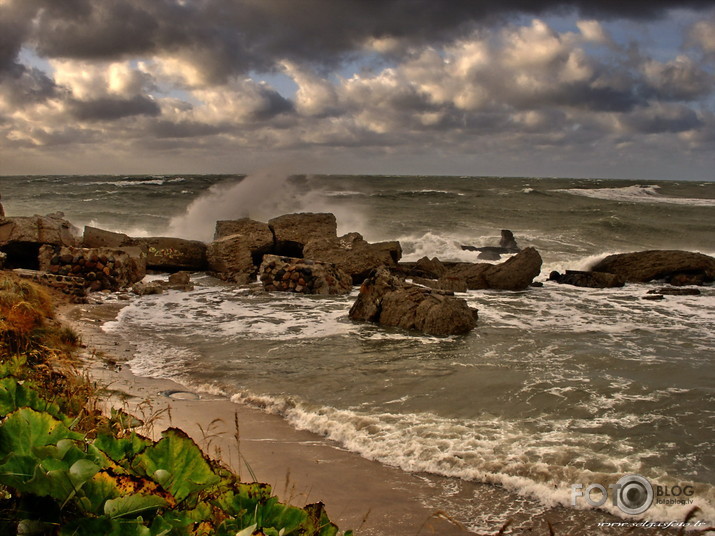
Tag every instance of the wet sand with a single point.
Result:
(302, 467)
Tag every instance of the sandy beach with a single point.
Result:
(302, 467)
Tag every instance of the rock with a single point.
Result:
(353, 254)
(292, 232)
(180, 281)
(683, 267)
(453, 284)
(390, 301)
(180, 278)
(587, 279)
(3, 259)
(507, 244)
(290, 274)
(171, 254)
(431, 268)
(94, 237)
(670, 291)
(21, 237)
(508, 241)
(490, 254)
(516, 273)
(151, 287)
(236, 257)
(100, 268)
(653, 297)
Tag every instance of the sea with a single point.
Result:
(557, 386)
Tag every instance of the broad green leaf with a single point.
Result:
(131, 505)
(177, 455)
(96, 491)
(25, 429)
(122, 449)
(15, 395)
(105, 526)
(82, 470)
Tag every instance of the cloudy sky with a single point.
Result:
(594, 88)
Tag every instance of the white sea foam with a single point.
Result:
(542, 464)
(637, 194)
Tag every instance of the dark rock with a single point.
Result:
(490, 254)
(653, 297)
(289, 274)
(431, 268)
(452, 284)
(292, 232)
(670, 291)
(587, 279)
(508, 241)
(683, 267)
(390, 301)
(144, 289)
(353, 254)
(516, 273)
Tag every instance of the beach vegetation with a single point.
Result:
(67, 469)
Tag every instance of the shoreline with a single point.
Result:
(302, 467)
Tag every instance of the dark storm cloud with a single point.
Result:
(243, 35)
(107, 109)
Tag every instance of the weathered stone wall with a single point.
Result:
(99, 268)
(304, 276)
(71, 285)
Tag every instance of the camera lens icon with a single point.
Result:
(634, 494)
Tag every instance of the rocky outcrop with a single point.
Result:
(291, 232)
(289, 274)
(352, 254)
(507, 245)
(236, 256)
(587, 279)
(165, 254)
(674, 266)
(390, 301)
(516, 273)
(172, 254)
(94, 237)
(21, 237)
(100, 268)
(429, 268)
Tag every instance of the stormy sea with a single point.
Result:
(557, 385)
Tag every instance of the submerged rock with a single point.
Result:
(390, 301)
(678, 267)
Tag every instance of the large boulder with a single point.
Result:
(94, 237)
(678, 267)
(22, 236)
(289, 274)
(353, 254)
(101, 268)
(390, 301)
(587, 279)
(516, 273)
(292, 232)
(237, 255)
(173, 254)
